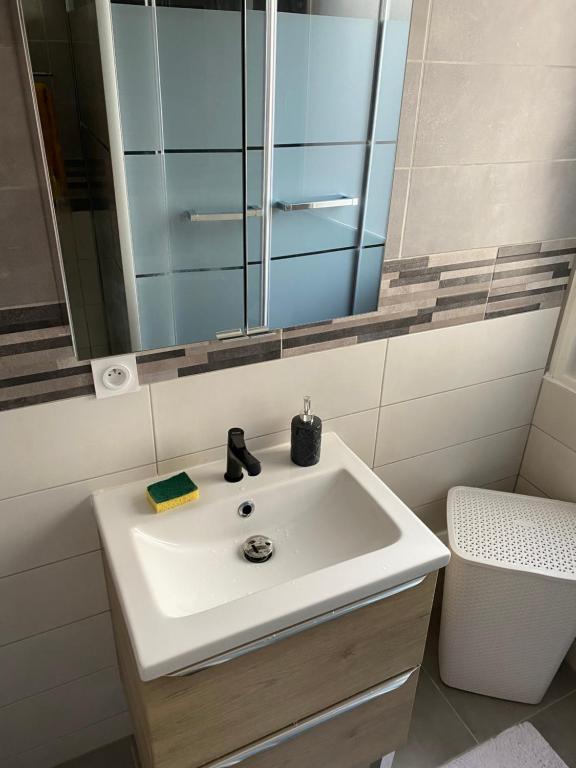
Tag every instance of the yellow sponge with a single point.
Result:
(172, 492)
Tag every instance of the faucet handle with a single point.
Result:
(239, 456)
(236, 437)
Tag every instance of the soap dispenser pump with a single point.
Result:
(306, 437)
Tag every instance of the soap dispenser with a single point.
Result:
(306, 437)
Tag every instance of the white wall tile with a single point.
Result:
(556, 412)
(438, 421)
(39, 719)
(56, 657)
(46, 526)
(429, 477)
(55, 443)
(358, 430)
(507, 484)
(195, 413)
(45, 598)
(73, 744)
(433, 514)
(526, 488)
(571, 656)
(550, 466)
(447, 358)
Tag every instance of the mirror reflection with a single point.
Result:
(217, 168)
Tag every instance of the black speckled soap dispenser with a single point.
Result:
(306, 437)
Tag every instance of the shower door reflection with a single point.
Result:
(339, 70)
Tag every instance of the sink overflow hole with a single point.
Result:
(246, 508)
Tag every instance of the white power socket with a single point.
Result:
(115, 375)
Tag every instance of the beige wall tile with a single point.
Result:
(550, 466)
(439, 421)
(434, 513)
(27, 273)
(475, 206)
(43, 527)
(34, 721)
(407, 125)
(437, 361)
(526, 488)
(429, 477)
(396, 216)
(52, 596)
(74, 744)
(506, 484)
(504, 31)
(195, 413)
(556, 412)
(358, 430)
(17, 165)
(48, 445)
(496, 113)
(57, 657)
(418, 29)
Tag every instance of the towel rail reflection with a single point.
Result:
(334, 201)
(223, 215)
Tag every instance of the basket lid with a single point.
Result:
(511, 531)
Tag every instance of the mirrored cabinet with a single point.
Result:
(242, 154)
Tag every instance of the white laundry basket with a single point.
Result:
(509, 609)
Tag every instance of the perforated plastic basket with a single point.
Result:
(509, 608)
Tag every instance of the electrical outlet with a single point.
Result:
(115, 375)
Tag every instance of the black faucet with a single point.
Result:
(239, 456)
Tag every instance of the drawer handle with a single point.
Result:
(282, 634)
(335, 201)
(312, 722)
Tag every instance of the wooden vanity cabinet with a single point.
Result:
(319, 697)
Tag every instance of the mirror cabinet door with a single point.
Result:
(179, 73)
(337, 89)
(238, 155)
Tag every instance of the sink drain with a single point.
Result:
(258, 549)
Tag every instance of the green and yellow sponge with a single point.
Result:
(172, 492)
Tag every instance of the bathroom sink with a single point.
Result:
(332, 535)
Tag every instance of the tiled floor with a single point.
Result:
(445, 721)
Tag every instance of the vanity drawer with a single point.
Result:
(186, 722)
(352, 734)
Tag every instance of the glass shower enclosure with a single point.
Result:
(258, 142)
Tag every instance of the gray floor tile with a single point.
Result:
(115, 755)
(485, 716)
(436, 733)
(557, 724)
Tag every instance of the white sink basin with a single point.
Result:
(188, 594)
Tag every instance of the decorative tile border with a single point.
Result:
(529, 278)
(426, 292)
(37, 362)
(416, 294)
(207, 356)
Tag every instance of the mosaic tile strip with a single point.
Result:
(416, 294)
(207, 356)
(37, 362)
(527, 280)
